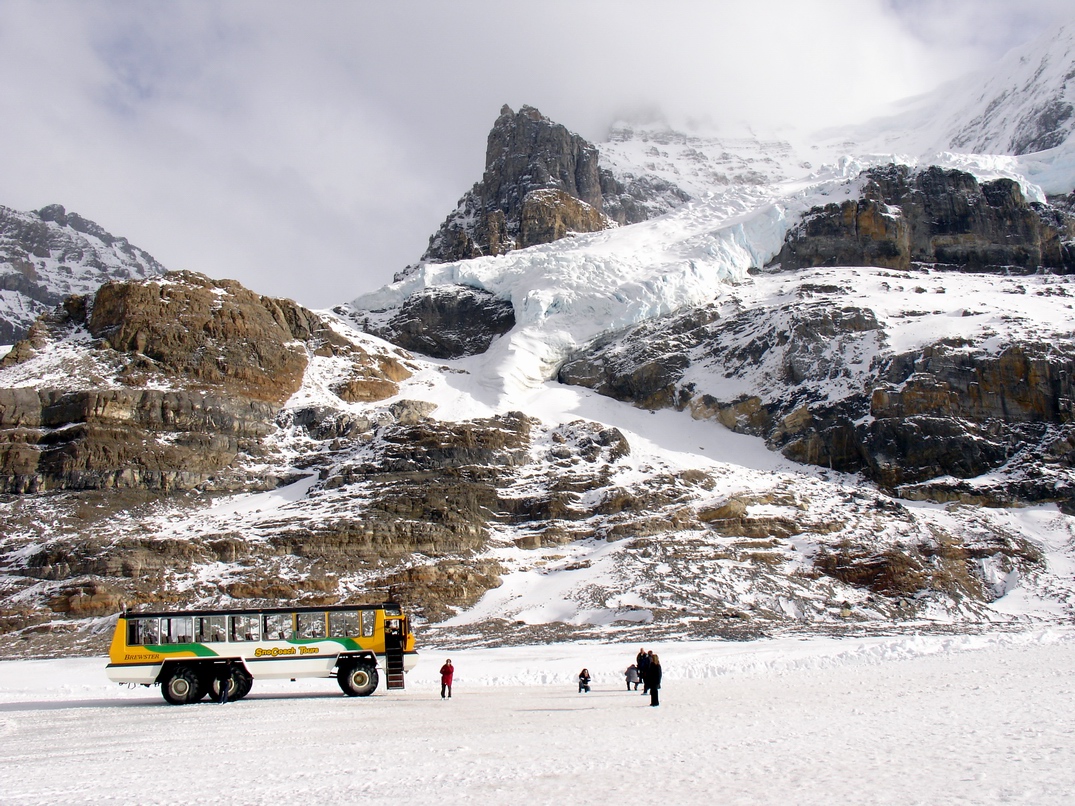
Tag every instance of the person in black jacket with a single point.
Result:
(584, 681)
(652, 679)
(642, 662)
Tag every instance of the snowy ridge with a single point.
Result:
(1019, 114)
(1026, 105)
(49, 254)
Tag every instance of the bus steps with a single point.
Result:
(394, 670)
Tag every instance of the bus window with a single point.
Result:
(246, 628)
(278, 626)
(209, 629)
(311, 625)
(141, 631)
(343, 623)
(369, 619)
(176, 630)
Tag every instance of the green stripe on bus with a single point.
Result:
(200, 650)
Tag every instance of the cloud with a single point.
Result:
(309, 150)
(978, 32)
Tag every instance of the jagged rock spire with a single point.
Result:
(541, 182)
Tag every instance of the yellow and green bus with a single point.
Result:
(192, 654)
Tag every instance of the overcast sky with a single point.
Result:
(309, 149)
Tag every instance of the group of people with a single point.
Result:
(646, 669)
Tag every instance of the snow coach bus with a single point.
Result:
(192, 653)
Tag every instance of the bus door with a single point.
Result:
(394, 641)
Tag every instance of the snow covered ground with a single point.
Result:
(908, 720)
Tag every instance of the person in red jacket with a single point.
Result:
(446, 672)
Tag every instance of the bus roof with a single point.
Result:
(388, 607)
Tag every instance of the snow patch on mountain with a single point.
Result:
(1022, 107)
(49, 254)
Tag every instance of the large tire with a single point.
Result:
(239, 684)
(358, 680)
(182, 686)
(244, 682)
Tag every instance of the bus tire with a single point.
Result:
(239, 684)
(358, 680)
(243, 683)
(182, 686)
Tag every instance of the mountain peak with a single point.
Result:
(526, 153)
(1028, 103)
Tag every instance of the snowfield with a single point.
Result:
(907, 720)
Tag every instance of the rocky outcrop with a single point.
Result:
(541, 183)
(638, 198)
(944, 562)
(200, 370)
(99, 439)
(937, 217)
(950, 411)
(447, 321)
(213, 334)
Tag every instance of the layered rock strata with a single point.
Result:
(820, 384)
(936, 216)
(186, 375)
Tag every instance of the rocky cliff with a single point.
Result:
(184, 374)
(541, 182)
(938, 217)
(445, 321)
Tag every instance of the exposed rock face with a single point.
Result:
(950, 411)
(48, 254)
(213, 333)
(638, 198)
(202, 367)
(824, 391)
(98, 439)
(430, 493)
(541, 182)
(936, 217)
(447, 322)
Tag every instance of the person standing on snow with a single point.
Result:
(632, 677)
(652, 679)
(642, 662)
(446, 673)
(224, 682)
